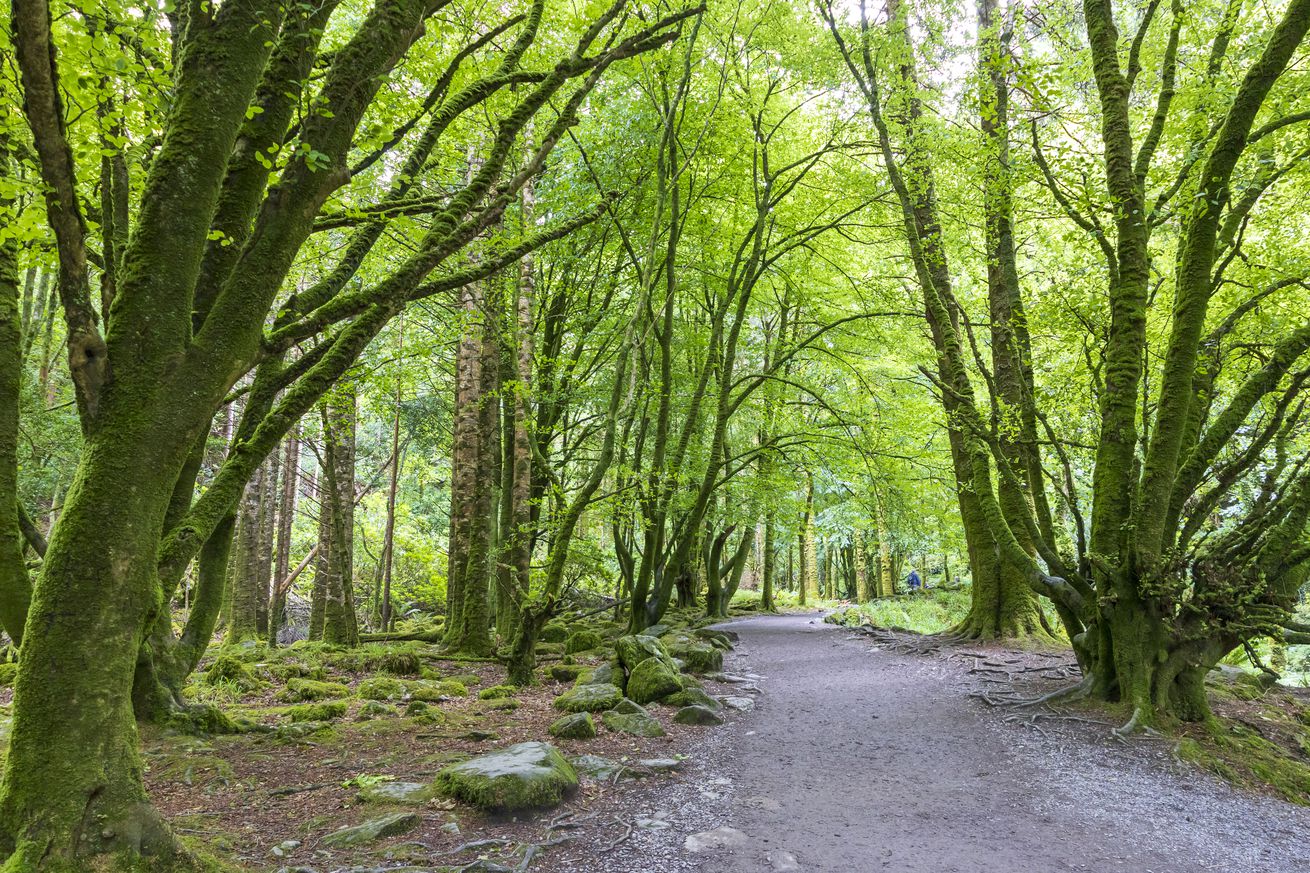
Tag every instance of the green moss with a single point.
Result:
(553, 632)
(324, 711)
(1240, 755)
(376, 709)
(229, 669)
(312, 689)
(498, 692)
(652, 680)
(380, 688)
(583, 640)
(466, 679)
(435, 692)
(589, 698)
(7, 674)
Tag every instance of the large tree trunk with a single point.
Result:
(98, 582)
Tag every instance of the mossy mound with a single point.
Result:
(1240, 755)
(313, 689)
(589, 698)
(435, 692)
(227, 669)
(652, 680)
(553, 632)
(498, 692)
(376, 709)
(605, 674)
(522, 776)
(582, 641)
(468, 680)
(380, 688)
(576, 726)
(322, 711)
(397, 663)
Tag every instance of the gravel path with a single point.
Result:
(859, 759)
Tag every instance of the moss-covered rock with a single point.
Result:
(312, 689)
(497, 692)
(637, 724)
(719, 639)
(651, 680)
(698, 656)
(323, 711)
(692, 697)
(697, 714)
(380, 688)
(553, 632)
(589, 698)
(371, 830)
(605, 674)
(565, 672)
(401, 793)
(376, 709)
(522, 776)
(576, 726)
(634, 648)
(435, 692)
(582, 641)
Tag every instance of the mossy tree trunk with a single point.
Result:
(15, 587)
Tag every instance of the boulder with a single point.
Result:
(605, 674)
(522, 776)
(652, 679)
(582, 640)
(717, 638)
(698, 656)
(641, 724)
(633, 649)
(691, 697)
(697, 714)
(655, 630)
(596, 767)
(565, 672)
(404, 793)
(741, 704)
(575, 726)
(373, 829)
(589, 698)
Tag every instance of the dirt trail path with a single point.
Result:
(859, 759)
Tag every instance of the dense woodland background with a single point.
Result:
(430, 318)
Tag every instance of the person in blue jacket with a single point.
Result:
(913, 580)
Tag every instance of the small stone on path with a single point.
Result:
(719, 838)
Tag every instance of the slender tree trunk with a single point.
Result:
(286, 518)
(340, 624)
(15, 587)
(807, 582)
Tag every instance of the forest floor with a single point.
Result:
(846, 752)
